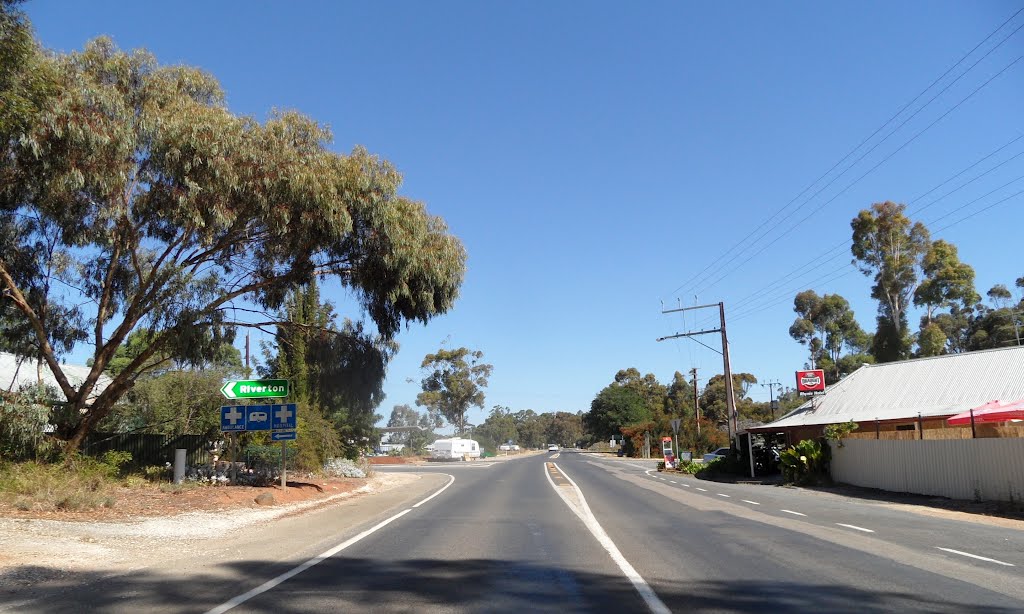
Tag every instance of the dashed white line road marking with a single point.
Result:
(794, 513)
(702, 489)
(855, 528)
(750, 502)
(721, 495)
(975, 556)
(686, 485)
(672, 482)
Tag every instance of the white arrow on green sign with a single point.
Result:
(255, 389)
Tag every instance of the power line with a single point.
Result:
(868, 172)
(837, 250)
(771, 228)
(700, 275)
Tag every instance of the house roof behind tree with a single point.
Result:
(936, 386)
(16, 373)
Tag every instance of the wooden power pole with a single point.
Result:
(696, 400)
(730, 396)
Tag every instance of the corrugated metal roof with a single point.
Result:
(937, 386)
(13, 376)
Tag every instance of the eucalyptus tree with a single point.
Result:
(889, 247)
(453, 381)
(827, 325)
(134, 198)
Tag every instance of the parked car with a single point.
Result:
(717, 454)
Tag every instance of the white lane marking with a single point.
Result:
(975, 556)
(702, 489)
(654, 603)
(451, 481)
(750, 502)
(855, 527)
(269, 584)
(721, 495)
(794, 513)
(672, 482)
(686, 485)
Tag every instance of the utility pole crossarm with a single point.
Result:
(690, 334)
(689, 308)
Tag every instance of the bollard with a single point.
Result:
(179, 465)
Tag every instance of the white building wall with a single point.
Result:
(990, 469)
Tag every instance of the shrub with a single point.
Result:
(805, 463)
(342, 467)
(836, 432)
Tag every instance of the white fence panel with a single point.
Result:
(990, 469)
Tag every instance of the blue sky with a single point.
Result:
(595, 157)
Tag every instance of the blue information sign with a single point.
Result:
(232, 418)
(282, 435)
(282, 417)
(257, 418)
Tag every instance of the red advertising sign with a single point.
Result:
(810, 381)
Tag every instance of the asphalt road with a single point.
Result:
(517, 536)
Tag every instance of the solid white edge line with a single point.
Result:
(975, 556)
(750, 502)
(647, 593)
(794, 513)
(855, 527)
(451, 480)
(269, 584)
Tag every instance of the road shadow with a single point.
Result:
(478, 585)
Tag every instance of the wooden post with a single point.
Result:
(974, 433)
(878, 434)
(920, 427)
(284, 455)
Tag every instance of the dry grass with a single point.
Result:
(34, 486)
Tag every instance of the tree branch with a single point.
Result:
(22, 304)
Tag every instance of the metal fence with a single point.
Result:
(971, 469)
(148, 449)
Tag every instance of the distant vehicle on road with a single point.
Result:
(552, 448)
(719, 453)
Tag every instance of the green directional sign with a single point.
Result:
(256, 389)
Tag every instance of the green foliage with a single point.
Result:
(23, 418)
(888, 246)
(805, 463)
(174, 402)
(316, 438)
(137, 187)
(338, 371)
(828, 327)
(713, 403)
(453, 381)
(837, 432)
(614, 408)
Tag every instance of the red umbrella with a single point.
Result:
(993, 411)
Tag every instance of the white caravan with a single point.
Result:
(455, 448)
